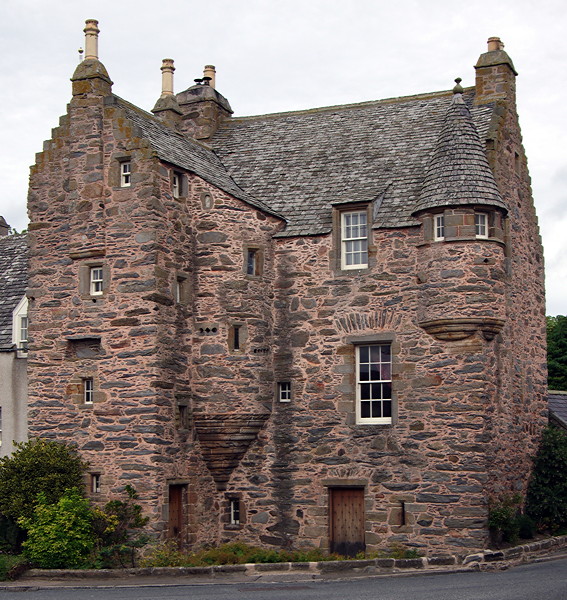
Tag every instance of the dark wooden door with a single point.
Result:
(346, 520)
(176, 516)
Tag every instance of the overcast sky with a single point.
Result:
(280, 55)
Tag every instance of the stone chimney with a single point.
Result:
(203, 108)
(4, 227)
(91, 76)
(495, 74)
(166, 107)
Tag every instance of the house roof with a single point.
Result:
(13, 282)
(186, 153)
(302, 163)
(557, 402)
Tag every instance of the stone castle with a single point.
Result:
(317, 328)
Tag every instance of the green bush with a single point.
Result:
(503, 519)
(234, 553)
(526, 527)
(546, 501)
(37, 466)
(11, 567)
(60, 535)
(114, 527)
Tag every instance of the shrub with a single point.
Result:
(114, 528)
(37, 466)
(59, 535)
(11, 567)
(503, 519)
(526, 527)
(546, 501)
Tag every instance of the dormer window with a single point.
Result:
(481, 224)
(125, 173)
(354, 240)
(20, 324)
(439, 228)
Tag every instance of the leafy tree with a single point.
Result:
(59, 535)
(557, 352)
(546, 500)
(37, 466)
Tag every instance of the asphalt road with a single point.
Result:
(542, 581)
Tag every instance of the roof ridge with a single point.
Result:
(392, 100)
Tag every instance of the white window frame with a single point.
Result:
(284, 391)
(125, 174)
(19, 316)
(354, 239)
(374, 392)
(439, 227)
(96, 280)
(88, 390)
(481, 225)
(234, 511)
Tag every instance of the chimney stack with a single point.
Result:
(91, 39)
(495, 75)
(210, 71)
(166, 107)
(167, 70)
(494, 43)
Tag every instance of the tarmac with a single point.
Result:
(38, 579)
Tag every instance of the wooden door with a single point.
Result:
(176, 513)
(346, 520)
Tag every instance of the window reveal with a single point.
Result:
(88, 390)
(374, 383)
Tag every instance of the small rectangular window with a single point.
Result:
(481, 225)
(183, 416)
(95, 483)
(236, 337)
(439, 228)
(88, 390)
(125, 174)
(234, 511)
(251, 259)
(354, 240)
(284, 391)
(96, 281)
(176, 184)
(374, 384)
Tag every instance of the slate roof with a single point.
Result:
(302, 163)
(557, 402)
(458, 173)
(13, 282)
(184, 152)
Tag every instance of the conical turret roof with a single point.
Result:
(458, 173)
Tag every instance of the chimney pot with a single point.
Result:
(91, 39)
(167, 69)
(210, 71)
(494, 43)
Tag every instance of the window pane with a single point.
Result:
(376, 409)
(386, 390)
(364, 373)
(387, 408)
(365, 391)
(364, 353)
(385, 371)
(365, 410)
